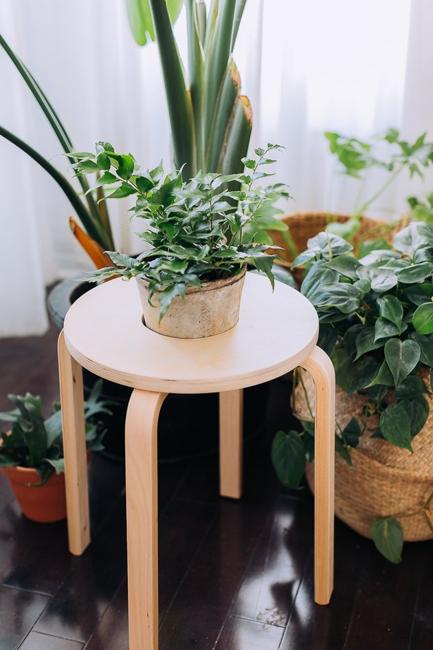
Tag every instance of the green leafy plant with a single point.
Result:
(33, 441)
(421, 209)
(376, 323)
(211, 120)
(209, 227)
(390, 153)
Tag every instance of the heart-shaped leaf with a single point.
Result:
(365, 341)
(387, 535)
(391, 309)
(401, 358)
(395, 425)
(422, 320)
(288, 457)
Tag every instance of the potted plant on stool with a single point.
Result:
(31, 453)
(201, 234)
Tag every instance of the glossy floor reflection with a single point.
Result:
(233, 575)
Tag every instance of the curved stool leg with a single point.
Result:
(231, 443)
(320, 367)
(74, 447)
(141, 441)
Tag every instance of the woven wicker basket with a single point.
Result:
(304, 225)
(383, 481)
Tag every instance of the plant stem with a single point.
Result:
(380, 191)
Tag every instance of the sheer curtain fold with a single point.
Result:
(307, 67)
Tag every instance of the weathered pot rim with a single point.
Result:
(213, 285)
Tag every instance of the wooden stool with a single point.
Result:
(103, 332)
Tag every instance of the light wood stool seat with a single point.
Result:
(104, 333)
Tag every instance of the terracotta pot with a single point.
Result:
(212, 308)
(43, 503)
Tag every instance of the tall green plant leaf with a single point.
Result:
(56, 125)
(387, 535)
(226, 101)
(93, 227)
(178, 98)
(196, 74)
(217, 55)
(237, 136)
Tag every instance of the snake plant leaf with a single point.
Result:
(141, 20)
(196, 74)
(178, 98)
(226, 101)
(239, 10)
(58, 128)
(217, 54)
(238, 136)
(93, 227)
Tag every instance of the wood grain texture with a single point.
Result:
(320, 367)
(231, 443)
(275, 332)
(141, 441)
(74, 446)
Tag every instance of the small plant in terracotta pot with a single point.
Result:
(31, 453)
(201, 235)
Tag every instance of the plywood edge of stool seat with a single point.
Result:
(276, 331)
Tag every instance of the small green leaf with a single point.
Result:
(391, 309)
(121, 192)
(402, 358)
(395, 425)
(352, 433)
(288, 457)
(422, 320)
(366, 342)
(387, 535)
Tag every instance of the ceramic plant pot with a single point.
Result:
(212, 308)
(43, 503)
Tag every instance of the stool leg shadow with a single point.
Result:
(74, 448)
(141, 441)
(320, 367)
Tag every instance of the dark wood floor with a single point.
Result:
(233, 576)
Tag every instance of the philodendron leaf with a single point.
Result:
(391, 309)
(384, 329)
(425, 342)
(422, 320)
(387, 535)
(288, 457)
(352, 376)
(418, 410)
(365, 341)
(395, 425)
(401, 358)
(352, 433)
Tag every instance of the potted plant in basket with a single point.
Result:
(200, 235)
(31, 453)
(376, 322)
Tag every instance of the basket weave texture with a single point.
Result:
(383, 480)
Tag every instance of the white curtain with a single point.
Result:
(307, 66)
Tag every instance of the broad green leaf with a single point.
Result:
(387, 535)
(385, 329)
(383, 377)
(401, 358)
(365, 341)
(346, 265)
(419, 294)
(416, 273)
(422, 320)
(411, 387)
(350, 375)
(123, 190)
(415, 236)
(395, 425)
(288, 458)
(391, 308)
(417, 409)
(425, 342)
